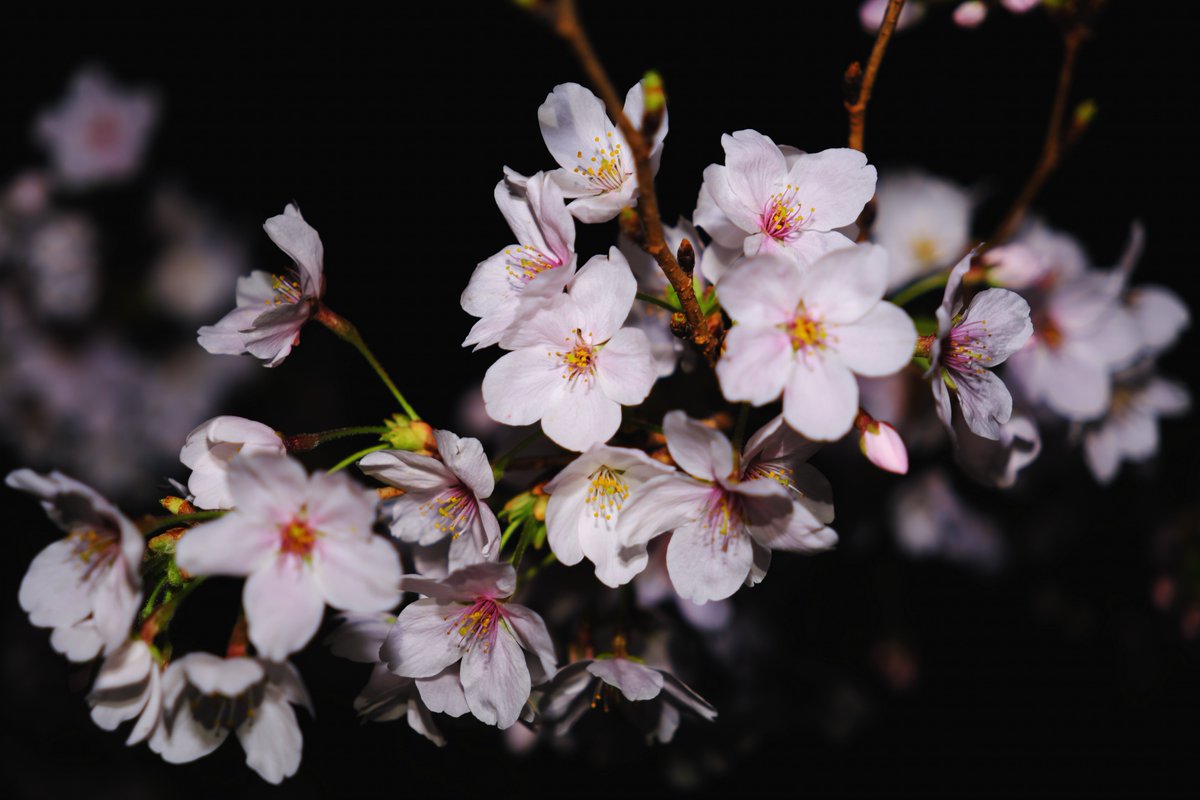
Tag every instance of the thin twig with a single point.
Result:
(567, 26)
(857, 108)
(1052, 148)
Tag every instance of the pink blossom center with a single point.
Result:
(783, 215)
(578, 362)
(456, 509)
(297, 537)
(523, 264)
(478, 623)
(104, 131)
(966, 348)
(287, 291)
(603, 166)
(94, 548)
(806, 330)
(607, 492)
(724, 516)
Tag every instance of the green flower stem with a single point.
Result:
(657, 301)
(158, 622)
(346, 331)
(350, 459)
(175, 520)
(915, 290)
(303, 442)
(502, 462)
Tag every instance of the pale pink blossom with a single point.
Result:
(86, 586)
(533, 269)
(727, 520)
(924, 223)
(806, 333)
(1128, 431)
(212, 445)
(573, 365)
(98, 132)
(767, 198)
(444, 498)
(271, 309)
(206, 697)
(468, 627)
(871, 13)
(970, 14)
(128, 686)
(301, 541)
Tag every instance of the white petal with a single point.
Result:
(698, 449)
(420, 644)
(358, 574)
(604, 289)
(496, 681)
(844, 285)
(299, 240)
(636, 682)
(761, 291)
(879, 343)
(625, 369)
(579, 416)
(467, 460)
(704, 565)
(660, 504)
(821, 398)
(835, 184)
(283, 607)
(517, 387)
(570, 118)
(271, 738)
(1005, 317)
(531, 632)
(230, 545)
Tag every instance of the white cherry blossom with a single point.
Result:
(922, 221)
(1128, 431)
(128, 686)
(301, 541)
(212, 445)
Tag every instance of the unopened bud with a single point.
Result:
(177, 505)
(680, 326)
(970, 14)
(686, 256)
(654, 103)
(405, 434)
(882, 445)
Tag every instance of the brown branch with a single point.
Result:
(865, 81)
(567, 25)
(1055, 143)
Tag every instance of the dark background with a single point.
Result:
(1057, 677)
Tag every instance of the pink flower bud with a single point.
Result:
(883, 447)
(970, 14)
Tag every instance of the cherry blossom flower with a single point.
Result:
(271, 309)
(596, 168)
(301, 541)
(501, 648)
(205, 697)
(1129, 429)
(727, 519)
(1158, 313)
(573, 365)
(98, 132)
(533, 270)
(87, 585)
(212, 445)
(388, 696)
(968, 344)
(805, 334)
(653, 588)
(442, 498)
(970, 14)
(653, 698)
(922, 221)
(128, 685)
(768, 198)
(585, 507)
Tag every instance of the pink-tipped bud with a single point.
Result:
(882, 446)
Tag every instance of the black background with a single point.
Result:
(1056, 678)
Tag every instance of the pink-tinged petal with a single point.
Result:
(301, 242)
(636, 682)
(602, 207)
(421, 720)
(775, 441)
(1160, 316)
(659, 505)
(604, 288)
(1115, 341)
(488, 579)
(1004, 316)
(490, 288)
(709, 216)
(517, 389)
(570, 118)
(212, 674)
(1163, 397)
(821, 398)
(704, 565)
(271, 738)
(225, 338)
(338, 507)
(616, 564)
(741, 212)
(421, 643)
(941, 401)
(985, 402)
(687, 698)
(884, 448)
(275, 332)
(283, 607)
(762, 291)
(546, 324)
(565, 689)
(54, 591)
(555, 223)
(411, 472)
(756, 364)
(359, 636)
(811, 246)
(115, 603)
(358, 574)
(815, 492)
(879, 343)
(443, 692)
(263, 484)
(844, 285)
(951, 298)
(230, 545)
(530, 630)
(565, 513)
(1076, 386)
(699, 450)
(1102, 451)
(1137, 434)
(579, 416)
(835, 184)
(625, 369)
(467, 460)
(755, 168)
(496, 680)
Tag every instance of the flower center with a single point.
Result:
(925, 251)
(456, 510)
(297, 537)
(93, 548)
(606, 169)
(104, 131)
(580, 361)
(777, 472)
(478, 623)
(287, 291)
(607, 492)
(221, 712)
(782, 216)
(806, 330)
(966, 348)
(723, 515)
(526, 263)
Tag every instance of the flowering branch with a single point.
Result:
(1052, 148)
(864, 82)
(567, 26)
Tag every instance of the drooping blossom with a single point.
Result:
(212, 445)
(573, 366)
(929, 520)
(654, 699)
(767, 198)
(98, 132)
(388, 696)
(86, 586)
(128, 685)
(597, 171)
(726, 520)
(301, 541)
(968, 344)
(468, 621)
(806, 333)
(443, 497)
(271, 309)
(205, 697)
(997, 462)
(585, 507)
(923, 222)
(530, 271)
(1128, 431)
